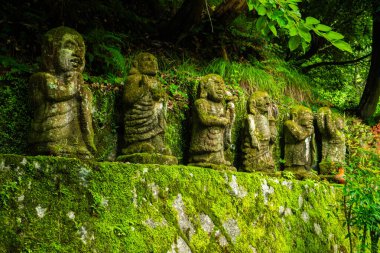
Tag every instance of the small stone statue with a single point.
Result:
(144, 119)
(333, 140)
(62, 121)
(260, 134)
(300, 150)
(212, 117)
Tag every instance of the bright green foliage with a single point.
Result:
(286, 16)
(63, 205)
(362, 197)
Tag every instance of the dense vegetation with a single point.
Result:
(316, 52)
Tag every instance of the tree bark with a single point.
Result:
(370, 97)
(189, 15)
(227, 11)
(335, 63)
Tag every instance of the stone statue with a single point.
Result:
(212, 116)
(62, 121)
(260, 134)
(144, 119)
(333, 140)
(300, 149)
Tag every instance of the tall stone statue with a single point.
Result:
(144, 119)
(62, 121)
(330, 127)
(260, 134)
(300, 149)
(212, 117)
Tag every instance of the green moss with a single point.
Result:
(115, 207)
(148, 158)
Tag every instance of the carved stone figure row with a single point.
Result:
(300, 152)
(62, 123)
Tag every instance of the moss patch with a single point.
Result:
(65, 205)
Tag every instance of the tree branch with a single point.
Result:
(326, 63)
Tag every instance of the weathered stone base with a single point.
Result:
(52, 204)
(220, 167)
(147, 158)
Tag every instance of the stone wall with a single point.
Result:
(50, 204)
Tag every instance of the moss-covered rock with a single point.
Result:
(52, 204)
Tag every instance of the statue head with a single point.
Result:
(258, 103)
(212, 87)
(145, 63)
(302, 115)
(63, 50)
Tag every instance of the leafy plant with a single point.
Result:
(362, 198)
(105, 55)
(362, 190)
(286, 15)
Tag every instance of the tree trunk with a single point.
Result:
(374, 241)
(370, 97)
(189, 15)
(227, 11)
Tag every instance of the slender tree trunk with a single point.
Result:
(370, 97)
(364, 239)
(374, 241)
(347, 213)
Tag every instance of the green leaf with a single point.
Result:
(250, 4)
(334, 36)
(260, 23)
(273, 29)
(304, 46)
(281, 22)
(277, 14)
(294, 43)
(342, 45)
(261, 10)
(304, 33)
(312, 21)
(294, 7)
(293, 31)
(323, 28)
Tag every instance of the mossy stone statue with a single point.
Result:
(144, 119)
(212, 117)
(62, 120)
(330, 127)
(300, 148)
(260, 134)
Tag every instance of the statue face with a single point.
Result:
(147, 64)
(216, 90)
(70, 55)
(262, 103)
(305, 118)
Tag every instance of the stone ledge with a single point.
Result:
(51, 204)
